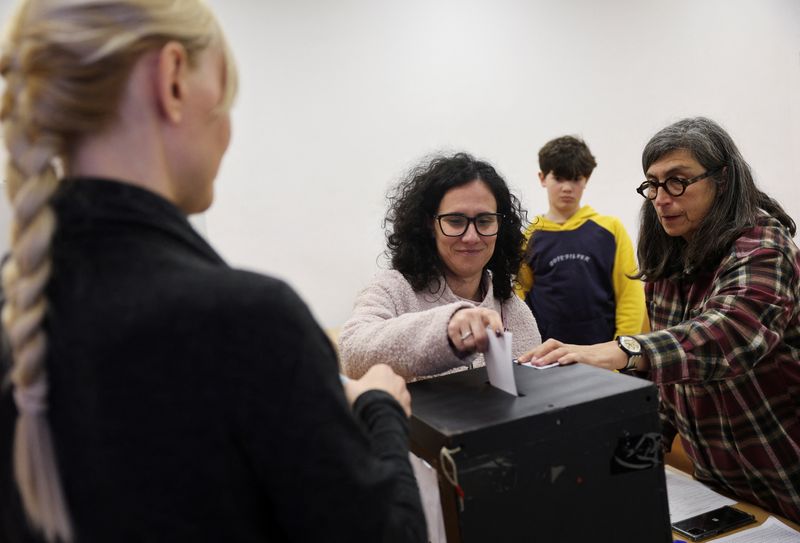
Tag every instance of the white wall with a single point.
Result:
(339, 99)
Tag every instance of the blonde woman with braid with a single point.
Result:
(150, 392)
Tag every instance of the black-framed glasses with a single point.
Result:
(675, 186)
(456, 224)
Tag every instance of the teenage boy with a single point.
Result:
(577, 262)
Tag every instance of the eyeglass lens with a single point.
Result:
(673, 186)
(456, 225)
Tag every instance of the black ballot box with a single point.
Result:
(575, 458)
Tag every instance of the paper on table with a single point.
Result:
(499, 364)
(772, 531)
(553, 365)
(688, 497)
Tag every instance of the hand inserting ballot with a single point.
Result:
(467, 329)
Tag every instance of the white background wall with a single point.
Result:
(339, 99)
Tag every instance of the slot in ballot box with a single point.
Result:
(575, 458)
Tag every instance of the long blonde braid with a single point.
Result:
(65, 64)
(31, 180)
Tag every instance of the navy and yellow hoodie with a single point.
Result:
(576, 281)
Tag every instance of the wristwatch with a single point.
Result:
(632, 348)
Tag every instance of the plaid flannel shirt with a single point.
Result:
(726, 358)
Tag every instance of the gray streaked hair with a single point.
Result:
(737, 203)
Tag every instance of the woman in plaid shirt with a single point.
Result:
(722, 280)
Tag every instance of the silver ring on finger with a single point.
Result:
(466, 335)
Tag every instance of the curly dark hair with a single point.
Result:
(568, 157)
(410, 245)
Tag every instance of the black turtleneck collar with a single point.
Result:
(86, 205)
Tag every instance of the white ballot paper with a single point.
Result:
(499, 364)
(772, 531)
(688, 497)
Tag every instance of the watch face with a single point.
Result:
(630, 344)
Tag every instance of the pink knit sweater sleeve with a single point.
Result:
(521, 322)
(392, 324)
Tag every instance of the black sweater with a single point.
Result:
(193, 402)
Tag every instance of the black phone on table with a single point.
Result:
(713, 523)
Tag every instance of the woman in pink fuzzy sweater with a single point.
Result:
(454, 244)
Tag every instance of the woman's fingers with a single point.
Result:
(542, 350)
(480, 336)
(468, 328)
(460, 333)
(492, 320)
(380, 377)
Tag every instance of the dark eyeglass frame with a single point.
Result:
(648, 184)
(470, 220)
